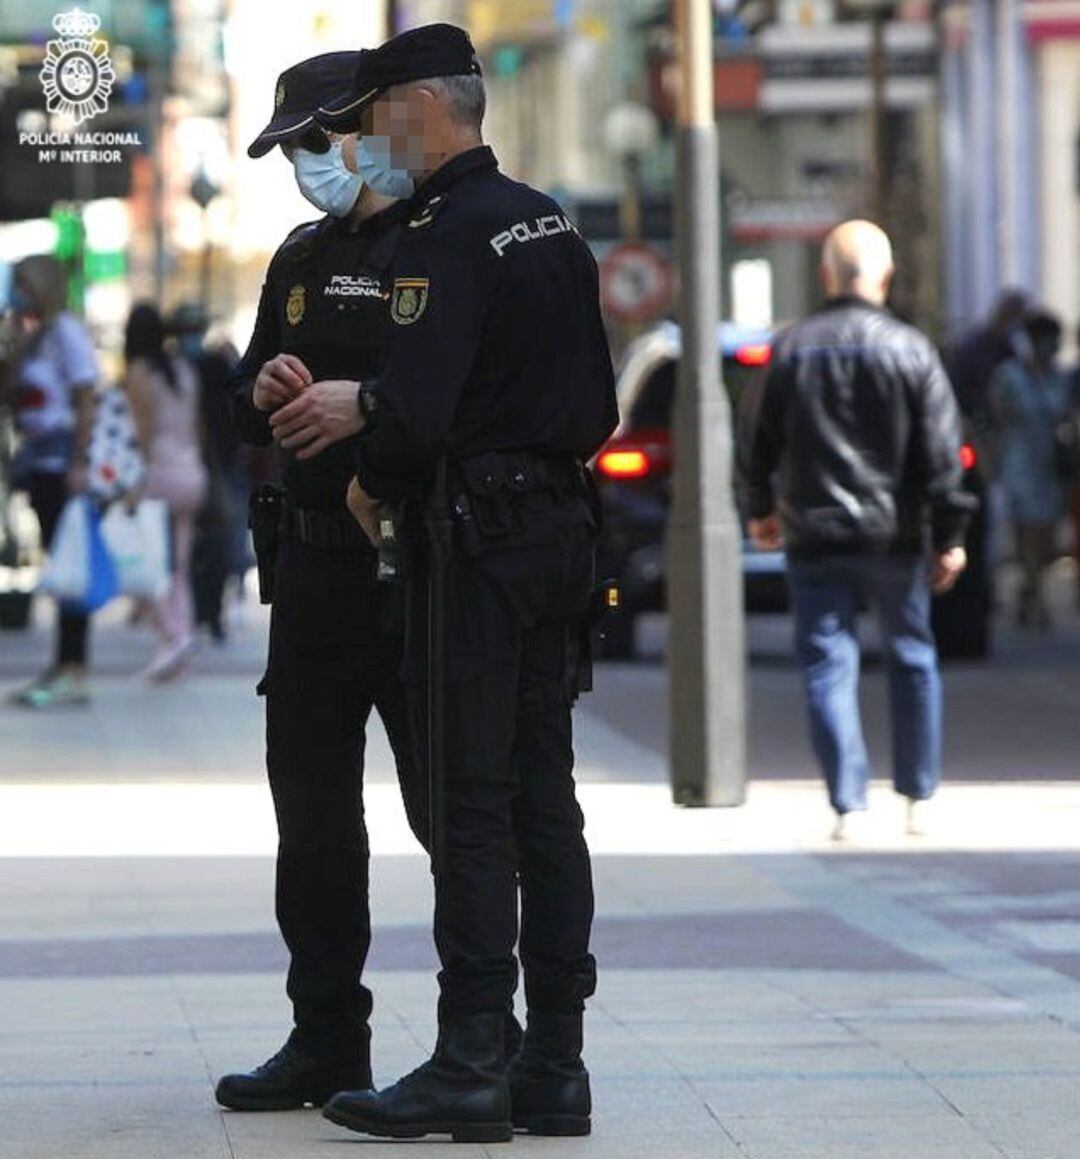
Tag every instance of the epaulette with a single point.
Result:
(427, 211)
(297, 245)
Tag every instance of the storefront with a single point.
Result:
(1053, 30)
(794, 103)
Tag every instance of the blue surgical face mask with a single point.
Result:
(378, 170)
(326, 181)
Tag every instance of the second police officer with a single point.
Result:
(496, 382)
(335, 633)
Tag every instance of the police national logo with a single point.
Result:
(295, 305)
(408, 300)
(77, 74)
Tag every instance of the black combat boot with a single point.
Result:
(549, 1085)
(460, 1091)
(294, 1078)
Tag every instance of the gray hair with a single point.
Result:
(465, 98)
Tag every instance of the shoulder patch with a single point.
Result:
(427, 212)
(409, 300)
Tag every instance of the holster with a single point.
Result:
(395, 547)
(265, 511)
(578, 645)
(604, 599)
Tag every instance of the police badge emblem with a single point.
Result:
(295, 305)
(77, 75)
(409, 300)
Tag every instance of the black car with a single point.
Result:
(634, 472)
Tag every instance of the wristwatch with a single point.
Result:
(367, 400)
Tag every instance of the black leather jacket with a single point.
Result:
(854, 438)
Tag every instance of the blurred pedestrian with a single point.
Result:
(1030, 401)
(54, 374)
(971, 365)
(854, 466)
(975, 358)
(163, 390)
(222, 521)
(1074, 491)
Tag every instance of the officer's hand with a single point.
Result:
(365, 511)
(948, 566)
(280, 381)
(324, 414)
(766, 534)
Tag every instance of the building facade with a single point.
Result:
(1010, 116)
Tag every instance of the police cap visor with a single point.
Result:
(299, 92)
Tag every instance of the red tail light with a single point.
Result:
(754, 354)
(968, 456)
(624, 464)
(639, 456)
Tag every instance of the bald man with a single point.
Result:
(852, 464)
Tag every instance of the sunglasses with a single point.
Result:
(314, 139)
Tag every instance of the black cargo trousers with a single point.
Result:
(517, 605)
(335, 653)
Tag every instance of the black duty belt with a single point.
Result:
(520, 472)
(336, 530)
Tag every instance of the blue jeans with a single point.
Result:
(825, 596)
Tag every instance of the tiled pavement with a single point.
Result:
(811, 1004)
(762, 994)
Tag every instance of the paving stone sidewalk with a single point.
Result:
(763, 993)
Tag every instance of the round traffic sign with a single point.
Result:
(635, 282)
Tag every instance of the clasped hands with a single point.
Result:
(307, 417)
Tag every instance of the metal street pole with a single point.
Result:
(704, 545)
(879, 157)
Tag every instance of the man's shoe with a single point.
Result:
(292, 1079)
(461, 1091)
(850, 827)
(915, 824)
(549, 1085)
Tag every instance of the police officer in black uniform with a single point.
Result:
(497, 379)
(335, 634)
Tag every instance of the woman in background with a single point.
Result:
(1074, 487)
(1029, 397)
(163, 390)
(53, 376)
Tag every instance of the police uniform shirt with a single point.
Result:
(495, 338)
(325, 299)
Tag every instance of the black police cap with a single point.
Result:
(428, 51)
(300, 91)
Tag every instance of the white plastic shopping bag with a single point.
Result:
(138, 542)
(67, 571)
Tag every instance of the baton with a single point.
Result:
(439, 533)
